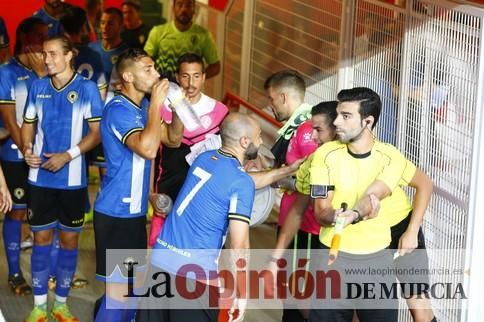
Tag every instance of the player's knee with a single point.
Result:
(17, 214)
(68, 240)
(43, 237)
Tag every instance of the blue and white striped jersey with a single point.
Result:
(54, 26)
(108, 57)
(124, 189)
(15, 83)
(61, 115)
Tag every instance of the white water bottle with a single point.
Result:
(182, 107)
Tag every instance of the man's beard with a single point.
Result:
(251, 152)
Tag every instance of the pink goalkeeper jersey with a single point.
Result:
(211, 113)
(301, 146)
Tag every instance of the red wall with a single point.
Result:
(14, 11)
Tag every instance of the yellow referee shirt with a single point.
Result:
(334, 165)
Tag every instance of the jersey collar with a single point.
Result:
(18, 62)
(358, 156)
(130, 101)
(74, 75)
(227, 155)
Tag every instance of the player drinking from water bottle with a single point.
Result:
(131, 131)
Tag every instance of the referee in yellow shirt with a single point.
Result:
(350, 170)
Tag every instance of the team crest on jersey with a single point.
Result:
(206, 121)
(141, 39)
(19, 193)
(72, 96)
(114, 59)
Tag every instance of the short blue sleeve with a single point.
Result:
(93, 106)
(242, 199)
(124, 121)
(7, 86)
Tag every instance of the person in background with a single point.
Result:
(172, 169)
(4, 43)
(50, 13)
(308, 137)
(88, 62)
(111, 45)
(135, 32)
(16, 79)
(169, 41)
(94, 10)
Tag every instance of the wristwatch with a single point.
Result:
(358, 218)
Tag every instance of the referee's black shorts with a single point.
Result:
(411, 269)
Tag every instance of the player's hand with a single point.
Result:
(156, 211)
(295, 165)
(408, 242)
(32, 160)
(270, 288)
(375, 207)
(159, 92)
(237, 311)
(348, 215)
(56, 161)
(5, 199)
(254, 165)
(36, 59)
(287, 183)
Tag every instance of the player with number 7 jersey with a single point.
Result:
(216, 190)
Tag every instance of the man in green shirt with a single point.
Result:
(169, 41)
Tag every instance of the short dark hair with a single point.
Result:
(286, 78)
(26, 26)
(73, 19)
(190, 58)
(193, 2)
(128, 57)
(114, 11)
(370, 103)
(135, 4)
(327, 109)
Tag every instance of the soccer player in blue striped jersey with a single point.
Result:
(88, 62)
(54, 144)
(17, 77)
(50, 13)
(217, 197)
(132, 131)
(111, 45)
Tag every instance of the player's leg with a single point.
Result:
(417, 301)
(16, 178)
(71, 220)
(42, 216)
(110, 233)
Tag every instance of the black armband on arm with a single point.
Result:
(320, 191)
